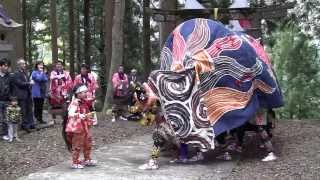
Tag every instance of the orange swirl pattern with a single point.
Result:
(221, 100)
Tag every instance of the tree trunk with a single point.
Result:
(102, 73)
(108, 23)
(54, 30)
(146, 39)
(87, 35)
(117, 44)
(167, 27)
(78, 40)
(71, 36)
(24, 21)
(29, 41)
(64, 51)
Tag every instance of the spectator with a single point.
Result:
(39, 87)
(5, 92)
(133, 80)
(13, 113)
(77, 129)
(86, 78)
(60, 85)
(120, 93)
(22, 87)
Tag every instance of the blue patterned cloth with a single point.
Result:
(212, 80)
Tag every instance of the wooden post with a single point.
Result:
(167, 27)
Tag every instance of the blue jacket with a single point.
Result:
(40, 84)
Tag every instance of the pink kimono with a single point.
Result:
(91, 83)
(120, 85)
(78, 129)
(60, 84)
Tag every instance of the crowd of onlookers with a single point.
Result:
(123, 90)
(22, 94)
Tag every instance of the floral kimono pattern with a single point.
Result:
(60, 85)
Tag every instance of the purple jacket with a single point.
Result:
(40, 84)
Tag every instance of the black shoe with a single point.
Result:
(26, 129)
(42, 122)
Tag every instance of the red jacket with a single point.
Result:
(77, 120)
(60, 85)
(91, 84)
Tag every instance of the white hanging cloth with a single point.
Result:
(193, 4)
(239, 25)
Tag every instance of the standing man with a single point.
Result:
(22, 87)
(5, 92)
(133, 80)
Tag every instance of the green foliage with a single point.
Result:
(296, 61)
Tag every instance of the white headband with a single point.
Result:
(82, 88)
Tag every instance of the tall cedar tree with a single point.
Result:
(54, 30)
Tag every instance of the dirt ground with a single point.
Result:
(44, 148)
(297, 144)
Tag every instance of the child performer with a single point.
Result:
(13, 113)
(77, 128)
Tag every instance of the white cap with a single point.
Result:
(82, 88)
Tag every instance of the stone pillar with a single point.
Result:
(15, 36)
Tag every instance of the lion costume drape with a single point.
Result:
(212, 80)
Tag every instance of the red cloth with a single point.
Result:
(60, 85)
(91, 84)
(120, 86)
(77, 122)
(81, 141)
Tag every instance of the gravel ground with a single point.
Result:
(297, 144)
(44, 148)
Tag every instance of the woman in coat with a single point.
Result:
(40, 79)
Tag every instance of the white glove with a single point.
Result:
(82, 116)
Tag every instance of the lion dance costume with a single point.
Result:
(212, 80)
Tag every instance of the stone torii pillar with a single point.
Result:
(13, 32)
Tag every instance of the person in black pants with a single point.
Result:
(261, 123)
(39, 89)
(22, 89)
(5, 93)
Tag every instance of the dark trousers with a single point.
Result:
(38, 108)
(3, 124)
(260, 130)
(221, 138)
(27, 114)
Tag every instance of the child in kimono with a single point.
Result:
(13, 114)
(77, 128)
